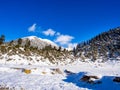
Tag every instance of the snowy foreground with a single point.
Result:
(60, 77)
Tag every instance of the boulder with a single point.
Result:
(116, 79)
(90, 79)
(56, 70)
(68, 72)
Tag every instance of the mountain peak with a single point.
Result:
(39, 42)
(30, 37)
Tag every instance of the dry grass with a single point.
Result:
(44, 72)
(4, 88)
(27, 71)
(13, 88)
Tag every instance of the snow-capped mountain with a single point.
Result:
(37, 42)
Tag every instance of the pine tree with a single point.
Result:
(27, 43)
(19, 41)
(59, 48)
(2, 39)
(74, 51)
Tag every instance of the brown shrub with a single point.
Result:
(43, 72)
(27, 71)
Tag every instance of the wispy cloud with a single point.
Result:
(32, 28)
(64, 39)
(49, 32)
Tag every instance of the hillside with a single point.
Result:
(33, 50)
(103, 46)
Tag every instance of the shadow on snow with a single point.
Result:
(106, 82)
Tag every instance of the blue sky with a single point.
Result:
(65, 22)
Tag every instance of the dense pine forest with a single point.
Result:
(105, 45)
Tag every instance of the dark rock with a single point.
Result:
(89, 80)
(85, 78)
(68, 72)
(116, 79)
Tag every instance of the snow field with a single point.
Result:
(47, 77)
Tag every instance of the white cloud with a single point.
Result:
(64, 39)
(32, 28)
(49, 32)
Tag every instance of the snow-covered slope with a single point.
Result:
(39, 42)
(66, 77)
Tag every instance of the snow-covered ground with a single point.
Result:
(60, 77)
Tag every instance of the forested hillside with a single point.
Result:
(105, 45)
